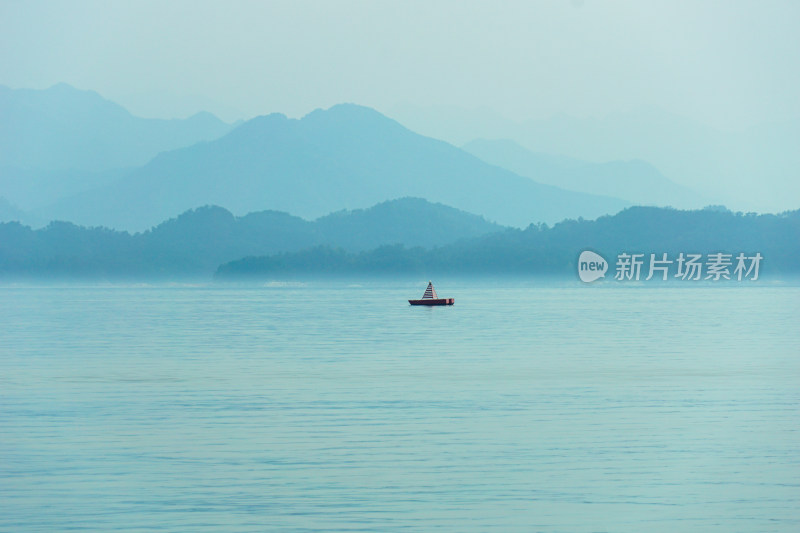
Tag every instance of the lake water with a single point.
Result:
(337, 407)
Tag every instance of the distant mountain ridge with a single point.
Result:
(635, 180)
(197, 241)
(344, 157)
(64, 128)
(59, 141)
(751, 169)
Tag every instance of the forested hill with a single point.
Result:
(542, 250)
(403, 237)
(198, 241)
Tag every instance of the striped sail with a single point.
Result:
(430, 292)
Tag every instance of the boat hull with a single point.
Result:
(433, 301)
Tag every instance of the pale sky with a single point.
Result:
(725, 63)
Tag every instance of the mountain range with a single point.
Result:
(197, 241)
(68, 154)
(754, 168)
(635, 181)
(539, 250)
(72, 155)
(64, 128)
(345, 157)
(59, 141)
(407, 237)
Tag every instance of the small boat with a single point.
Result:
(431, 298)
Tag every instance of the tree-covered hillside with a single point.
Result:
(198, 241)
(543, 250)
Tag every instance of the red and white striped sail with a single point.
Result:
(430, 292)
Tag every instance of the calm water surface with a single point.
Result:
(339, 407)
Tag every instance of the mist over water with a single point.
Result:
(325, 406)
(164, 142)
